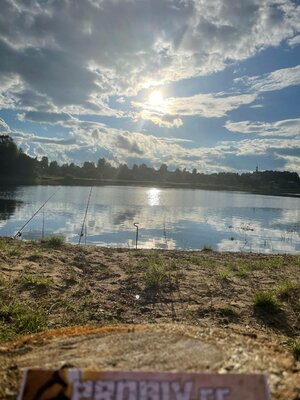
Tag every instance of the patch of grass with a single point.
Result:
(3, 244)
(266, 301)
(155, 276)
(196, 260)
(54, 241)
(35, 256)
(207, 248)
(14, 251)
(242, 272)
(17, 319)
(286, 290)
(33, 280)
(273, 263)
(223, 275)
(265, 263)
(294, 346)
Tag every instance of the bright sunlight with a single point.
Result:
(155, 98)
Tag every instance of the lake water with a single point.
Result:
(168, 218)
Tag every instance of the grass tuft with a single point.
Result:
(242, 272)
(17, 319)
(286, 290)
(54, 241)
(207, 248)
(33, 280)
(265, 301)
(36, 255)
(294, 346)
(155, 276)
(223, 275)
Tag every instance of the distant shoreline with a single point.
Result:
(60, 181)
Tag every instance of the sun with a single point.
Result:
(155, 98)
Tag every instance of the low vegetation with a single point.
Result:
(54, 241)
(53, 284)
(266, 300)
(155, 276)
(295, 348)
(36, 281)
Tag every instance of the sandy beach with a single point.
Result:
(248, 305)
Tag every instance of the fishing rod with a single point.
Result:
(136, 224)
(19, 233)
(85, 215)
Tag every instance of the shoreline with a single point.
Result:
(164, 185)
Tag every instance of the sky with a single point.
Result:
(212, 85)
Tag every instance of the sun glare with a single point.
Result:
(155, 98)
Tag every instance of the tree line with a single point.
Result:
(14, 163)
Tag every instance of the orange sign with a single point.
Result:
(74, 384)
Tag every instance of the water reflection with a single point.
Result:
(8, 204)
(7, 208)
(153, 196)
(168, 218)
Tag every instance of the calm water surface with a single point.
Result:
(168, 218)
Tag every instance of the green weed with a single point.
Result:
(14, 251)
(33, 280)
(242, 272)
(54, 241)
(207, 248)
(36, 255)
(294, 346)
(17, 319)
(222, 275)
(196, 260)
(266, 301)
(155, 276)
(286, 290)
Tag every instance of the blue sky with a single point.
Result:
(190, 83)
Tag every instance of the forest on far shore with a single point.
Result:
(16, 166)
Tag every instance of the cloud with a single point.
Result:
(92, 140)
(72, 56)
(276, 80)
(45, 117)
(288, 127)
(294, 41)
(4, 128)
(258, 146)
(292, 163)
(171, 110)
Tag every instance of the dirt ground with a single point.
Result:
(246, 306)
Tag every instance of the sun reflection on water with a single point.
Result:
(153, 195)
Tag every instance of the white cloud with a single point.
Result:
(288, 127)
(294, 41)
(276, 80)
(259, 147)
(292, 163)
(171, 110)
(4, 128)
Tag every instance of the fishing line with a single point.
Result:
(19, 233)
(85, 215)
